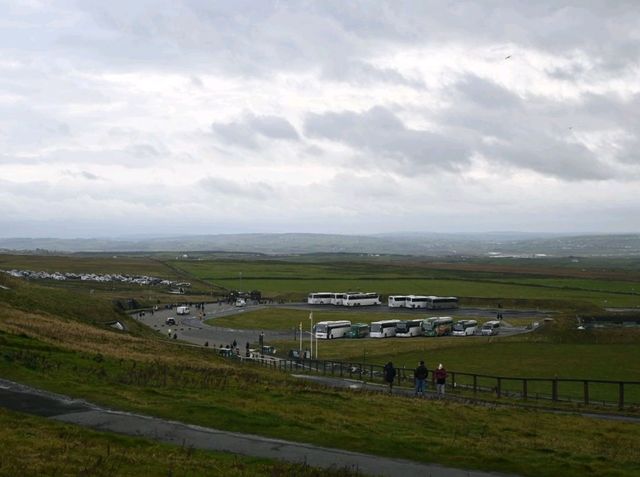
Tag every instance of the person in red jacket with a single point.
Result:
(441, 379)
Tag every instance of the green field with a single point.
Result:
(54, 337)
(295, 280)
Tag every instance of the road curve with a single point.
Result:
(193, 330)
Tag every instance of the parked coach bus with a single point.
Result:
(437, 326)
(409, 328)
(361, 299)
(338, 298)
(465, 328)
(441, 302)
(397, 301)
(383, 329)
(416, 301)
(321, 298)
(358, 330)
(328, 330)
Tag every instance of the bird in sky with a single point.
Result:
(507, 57)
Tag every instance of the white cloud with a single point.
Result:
(318, 116)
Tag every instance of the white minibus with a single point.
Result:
(490, 328)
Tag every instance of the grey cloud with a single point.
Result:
(359, 72)
(378, 132)
(534, 133)
(246, 131)
(486, 94)
(144, 151)
(83, 175)
(219, 186)
(273, 127)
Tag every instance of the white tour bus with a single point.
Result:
(416, 301)
(182, 310)
(409, 328)
(397, 301)
(361, 299)
(441, 302)
(328, 330)
(321, 298)
(465, 328)
(338, 298)
(490, 328)
(383, 329)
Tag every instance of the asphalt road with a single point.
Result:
(62, 408)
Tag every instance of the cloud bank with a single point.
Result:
(223, 117)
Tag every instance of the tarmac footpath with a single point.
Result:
(29, 400)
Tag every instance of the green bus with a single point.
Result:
(437, 326)
(358, 330)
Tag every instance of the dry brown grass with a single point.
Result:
(83, 337)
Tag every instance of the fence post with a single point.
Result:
(341, 369)
(525, 390)
(554, 389)
(499, 387)
(371, 371)
(586, 392)
(475, 384)
(453, 381)
(620, 395)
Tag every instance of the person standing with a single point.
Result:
(441, 379)
(389, 375)
(420, 377)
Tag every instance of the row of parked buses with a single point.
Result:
(419, 301)
(395, 301)
(434, 326)
(344, 299)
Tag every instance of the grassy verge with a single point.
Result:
(33, 446)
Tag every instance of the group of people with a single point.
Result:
(420, 375)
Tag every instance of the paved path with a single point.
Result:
(26, 399)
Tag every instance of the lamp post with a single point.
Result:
(301, 339)
(311, 334)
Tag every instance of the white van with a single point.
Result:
(491, 328)
(182, 310)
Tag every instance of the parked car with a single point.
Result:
(170, 321)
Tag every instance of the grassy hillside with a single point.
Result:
(71, 353)
(34, 446)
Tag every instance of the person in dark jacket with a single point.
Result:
(420, 377)
(389, 375)
(441, 379)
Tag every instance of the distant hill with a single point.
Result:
(423, 244)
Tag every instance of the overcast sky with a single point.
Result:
(193, 117)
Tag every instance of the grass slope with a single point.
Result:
(33, 446)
